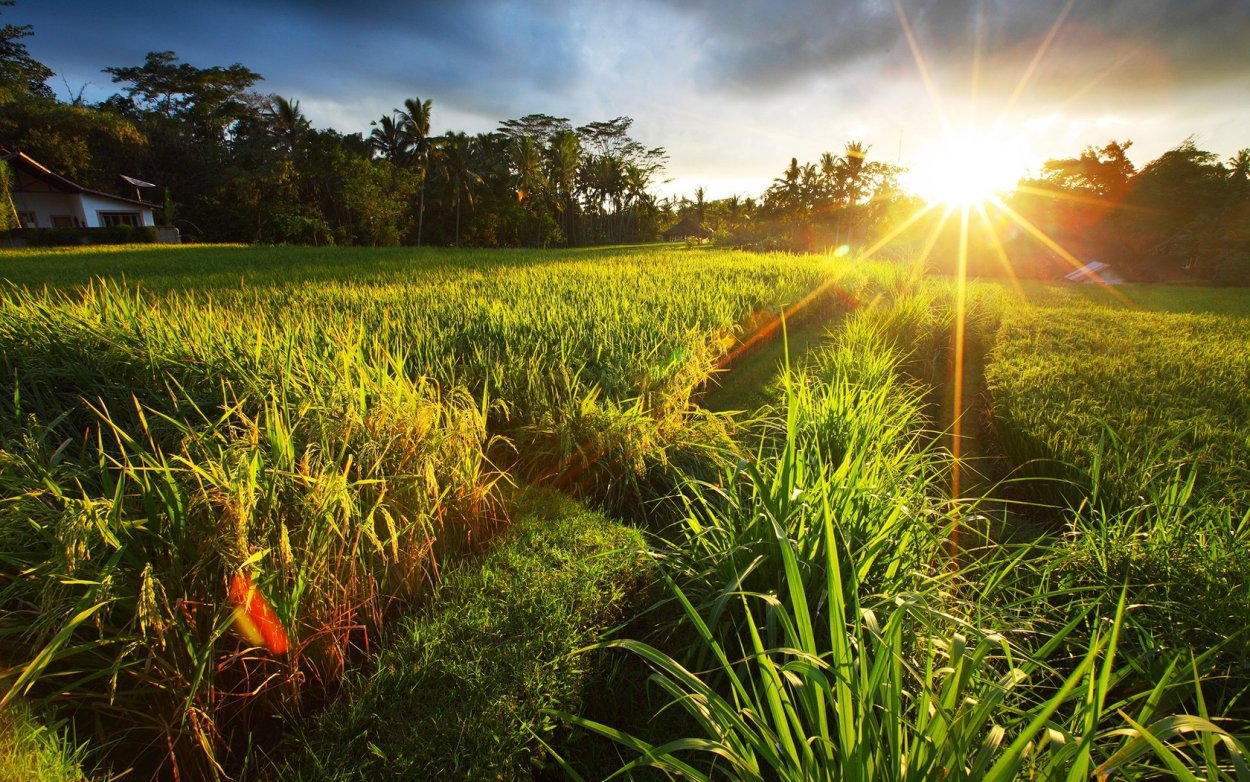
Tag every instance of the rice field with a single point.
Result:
(1129, 390)
(232, 479)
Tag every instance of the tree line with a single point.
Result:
(234, 164)
(841, 200)
(1184, 214)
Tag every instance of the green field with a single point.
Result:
(356, 432)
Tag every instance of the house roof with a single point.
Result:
(41, 172)
(687, 226)
(1089, 271)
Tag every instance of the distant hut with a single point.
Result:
(687, 228)
(1097, 272)
(40, 198)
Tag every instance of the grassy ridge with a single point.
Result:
(1136, 417)
(834, 636)
(461, 689)
(630, 321)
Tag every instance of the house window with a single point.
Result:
(114, 219)
(63, 221)
(27, 220)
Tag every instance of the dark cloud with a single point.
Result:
(727, 80)
(496, 52)
(482, 54)
(760, 47)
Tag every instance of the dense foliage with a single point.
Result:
(234, 164)
(1185, 214)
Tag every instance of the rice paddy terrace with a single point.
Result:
(350, 514)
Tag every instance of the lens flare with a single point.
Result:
(253, 617)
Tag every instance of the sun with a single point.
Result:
(965, 168)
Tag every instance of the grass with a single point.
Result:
(31, 752)
(461, 689)
(1124, 414)
(1127, 396)
(832, 640)
(339, 432)
(331, 428)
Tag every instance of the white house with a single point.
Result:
(43, 199)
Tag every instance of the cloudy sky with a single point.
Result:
(732, 88)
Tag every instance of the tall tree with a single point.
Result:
(1100, 171)
(785, 196)
(415, 120)
(457, 167)
(390, 141)
(206, 100)
(529, 180)
(565, 155)
(853, 161)
(287, 124)
(539, 127)
(1239, 172)
(19, 72)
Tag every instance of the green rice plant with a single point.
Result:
(623, 456)
(1114, 398)
(893, 690)
(1182, 564)
(122, 562)
(321, 425)
(835, 635)
(852, 422)
(1130, 424)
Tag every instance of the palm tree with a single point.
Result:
(528, 179)
(287, 124)
(810, 188)
(565, 156)
(457, 162)
(1239, 170)
(389, 140)
(602, 179)
(636, 180)
(700, 209)
(786, 190)
(415, 121)
(853, 162)
(737, 212)
(830, 164)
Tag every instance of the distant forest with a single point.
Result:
(235, 165)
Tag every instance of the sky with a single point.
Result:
(731, 88)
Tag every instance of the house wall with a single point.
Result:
(80, 206)
(93, 205)
(46, 205)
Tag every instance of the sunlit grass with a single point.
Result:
(332, 427)
(830, 639)
(337, 429)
